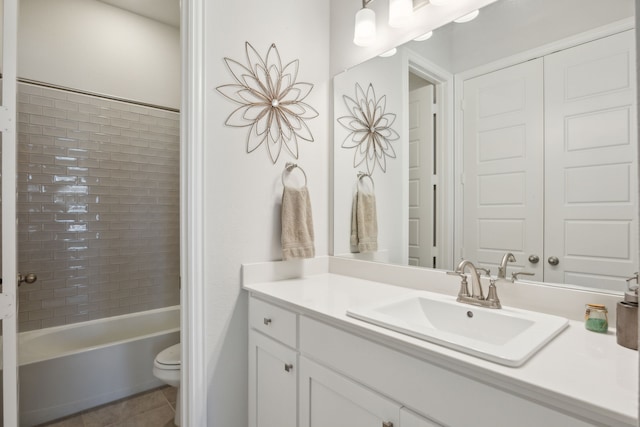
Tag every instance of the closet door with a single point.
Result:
(591, 178)
(502, 167)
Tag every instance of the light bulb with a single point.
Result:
(365, 29)
(400, 12)
(468, 17)
(425, 36)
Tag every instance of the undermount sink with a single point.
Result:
(508, 336)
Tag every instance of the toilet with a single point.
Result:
(166, 367)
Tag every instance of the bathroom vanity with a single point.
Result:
(311, 365)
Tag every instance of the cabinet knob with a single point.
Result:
(288, 367)
(267, 321)
(387, 424)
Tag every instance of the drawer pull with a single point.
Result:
(387, 424)
(267, 321)
(288, 367)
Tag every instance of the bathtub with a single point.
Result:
(67, 369)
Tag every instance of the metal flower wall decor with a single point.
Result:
(271, 102)
(369, 127)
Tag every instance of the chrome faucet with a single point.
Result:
(476, 287)
(477, 296)
(502, 270)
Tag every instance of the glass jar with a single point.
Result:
(595, 318)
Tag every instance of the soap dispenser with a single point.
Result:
(627, 316)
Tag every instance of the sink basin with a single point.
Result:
(508, 336)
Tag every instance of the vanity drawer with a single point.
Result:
(273, 321)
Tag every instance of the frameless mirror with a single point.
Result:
(516, 133)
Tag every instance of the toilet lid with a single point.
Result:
(169, 358)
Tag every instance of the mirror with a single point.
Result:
(467, 193)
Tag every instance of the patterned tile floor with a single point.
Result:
(154, 408)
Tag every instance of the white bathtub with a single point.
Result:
(67, 369)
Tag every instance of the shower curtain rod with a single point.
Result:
(98, 95)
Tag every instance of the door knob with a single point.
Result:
(553, 260)
(29, 278)
(533, 259)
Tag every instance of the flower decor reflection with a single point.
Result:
(370, 129)
(271, 102)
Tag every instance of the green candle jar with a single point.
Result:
(595, 318)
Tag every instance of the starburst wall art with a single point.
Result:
(270, 102)
(369, 127)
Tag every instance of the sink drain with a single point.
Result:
(469, 314)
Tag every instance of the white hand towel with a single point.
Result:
(297, 224)
(364, 223)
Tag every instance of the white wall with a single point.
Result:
(244, 190)
(386, 76)
(92, 46)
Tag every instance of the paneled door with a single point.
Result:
(502, 175)
(421, 193)
(8, 297)
(591, 228)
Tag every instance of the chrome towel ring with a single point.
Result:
(289, 167)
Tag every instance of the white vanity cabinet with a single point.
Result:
(330, 399)
(308, 371)
(273, 364)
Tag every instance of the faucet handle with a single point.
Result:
(492, 297)
(464, 288)
(514, 276)
(631, 279)
(486, 271)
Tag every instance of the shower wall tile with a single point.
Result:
(98, 207)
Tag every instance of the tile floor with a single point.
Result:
(154, 408)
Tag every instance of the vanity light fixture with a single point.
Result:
(400, 13)
(425, 36)
(365, 29)
(388, 53)
(468, 17)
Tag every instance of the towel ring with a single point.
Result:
(290, 167)
(366, 175)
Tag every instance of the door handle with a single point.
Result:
(553, 260)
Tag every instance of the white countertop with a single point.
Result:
(580, 371)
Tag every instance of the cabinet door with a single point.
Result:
(503, 177)
(272, 383)
(411, 419)
(591, 216)
(329, 399)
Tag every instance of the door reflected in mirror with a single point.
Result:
(517, 134)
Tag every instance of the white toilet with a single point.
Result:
(166, 367)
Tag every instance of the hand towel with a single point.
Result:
(364, 223)
(297, 224)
